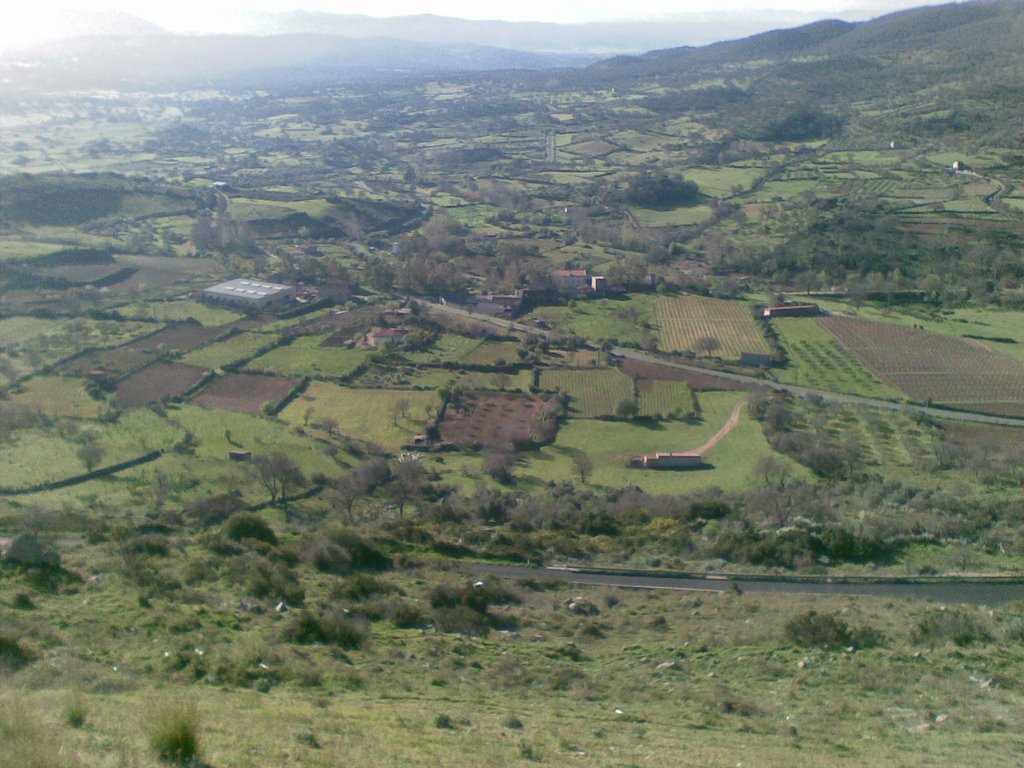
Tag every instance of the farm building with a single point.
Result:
(498, 306)
(755, 359)
(578, 281)
(249, 294)
(570, 280)
(792, 310)
(378, 337)
(672, 461)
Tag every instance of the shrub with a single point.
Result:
(332, 626)
(245, 525)
(444, 721)
(12, 655)
(407, 615)
(829, 631)
(76, 710)
(276, 581)
(956, 626)
(326, 556)
(361, 586)
(363, 554)
(28, 551)
(174, 733)
(214, 509)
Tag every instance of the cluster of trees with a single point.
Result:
(660, 190)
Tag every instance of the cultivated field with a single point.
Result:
(594, 393)
(182, 338)
(501, 421)
(56, 396)
(931, 367)
(684, 320)
(698, 382)
(387, 418)
(230, 350)
(245, 393)
(156, 382)
(310, 356)
(816, 360)
(113, 362)
(663, 398)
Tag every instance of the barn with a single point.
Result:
(672, 461)
(247, 293)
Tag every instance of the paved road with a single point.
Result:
(974, 592)
(751, 381)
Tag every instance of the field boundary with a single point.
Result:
(78, 479)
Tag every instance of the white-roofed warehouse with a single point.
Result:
(251, 294)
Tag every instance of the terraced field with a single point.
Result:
(684, 320)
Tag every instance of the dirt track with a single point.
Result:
(734, 419)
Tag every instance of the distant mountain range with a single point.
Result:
(971, 40)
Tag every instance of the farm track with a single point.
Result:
(733, 420)
(751, 381)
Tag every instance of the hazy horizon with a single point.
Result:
(48, 20)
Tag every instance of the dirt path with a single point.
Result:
(734, 419)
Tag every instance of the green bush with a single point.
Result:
(12, 655)
(246, 525)
(76, 711)
(174, 733)
(331, 626)
(829, 631)
(956, 626)
(364, 555)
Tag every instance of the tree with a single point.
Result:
(772, 472)
(627, 409)
(408, 482)
(583, 465)
(277, 473)
(498, 464)
(90, 453)
(346, 490)
(707, 345)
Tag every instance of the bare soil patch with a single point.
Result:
(642, 369)
(183, 337)
(112, 362)
(245, 393)
(500, 421)
(159, 381)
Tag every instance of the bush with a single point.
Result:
(829, 631)
(213, 510)
(407, 615)
(174, 733)
(956, 626)
(331, 626)
(327, 557)
(12, 655)
(364, 556)
(275, 581)
(245, 525)
(76, 710)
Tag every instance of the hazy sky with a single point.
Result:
(29, 19)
